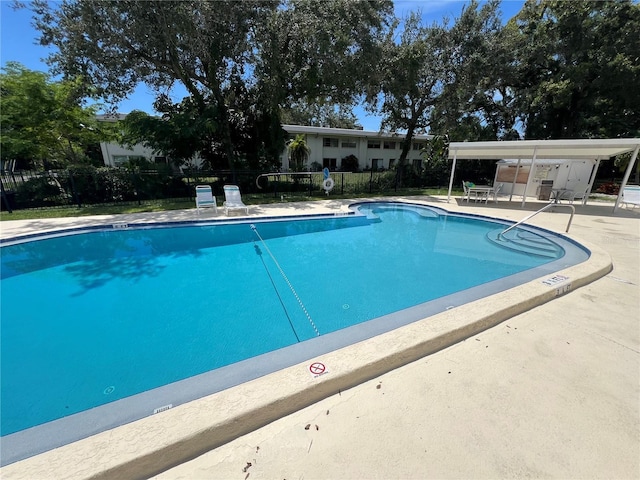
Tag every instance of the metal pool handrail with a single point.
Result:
(550, 205)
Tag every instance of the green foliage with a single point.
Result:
(43, 122)
(577, 63)
(477, 100)
(320, 114)
(44, 188)
(349, 163)
(559, 69)
(239, 61)
(91, 185)
(320, 49)
(436, 160)
(180, 134)
(298, 153)
(315, 167)
(622, 163)
(410, 79)
(433, 78)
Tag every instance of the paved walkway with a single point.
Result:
(553, 392)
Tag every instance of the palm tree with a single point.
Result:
(298, 153)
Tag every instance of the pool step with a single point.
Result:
(525, 242)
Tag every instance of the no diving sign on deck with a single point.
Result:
(317, 369)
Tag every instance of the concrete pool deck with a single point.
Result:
(553, 391)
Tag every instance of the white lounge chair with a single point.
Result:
(631, 195)
(205, 198)
(233, 201)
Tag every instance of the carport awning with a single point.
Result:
(593, 149)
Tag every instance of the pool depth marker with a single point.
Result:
(295, 294)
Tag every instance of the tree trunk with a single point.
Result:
(225, 127)
(406, 147)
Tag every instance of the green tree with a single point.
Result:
(477, 101)
(409, 80)
(226, 53)
(43, 122)
(181, 133)
(320, 114)
(313, 56)
(320, 50)
(205, 46)
(578, 63)
(298, 153)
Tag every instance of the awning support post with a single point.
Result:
(625, 179)
(515, 179)
(526, 187)
(453, 169)
(591, 180)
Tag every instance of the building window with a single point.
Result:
(329, 163)
(160, 159)
(417, 164)
(392, 162)
(377, 164)
(348, 144)
(373, 144)
(389, 145)
(418, 145)
(122, 159)
(330, 142)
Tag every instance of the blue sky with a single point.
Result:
(18, 43)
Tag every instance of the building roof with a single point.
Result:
(348, 132)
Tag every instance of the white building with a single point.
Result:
(374, 150)
(328, 146)
(573, 175)
(114, 155)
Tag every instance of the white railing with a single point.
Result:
(546, 207)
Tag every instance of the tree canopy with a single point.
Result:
(43, 124)
(239, 61)
(320, 114)
(578, 65)
(558, 69)
(433, 76)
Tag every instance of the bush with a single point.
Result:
(349, 164)
(39, 191)
(93, 185)
(609, 188)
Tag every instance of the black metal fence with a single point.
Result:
(27, 189)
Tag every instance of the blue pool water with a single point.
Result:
(94, 317)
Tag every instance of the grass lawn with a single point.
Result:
(180, 204)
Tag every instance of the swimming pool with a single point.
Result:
(378, 263)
